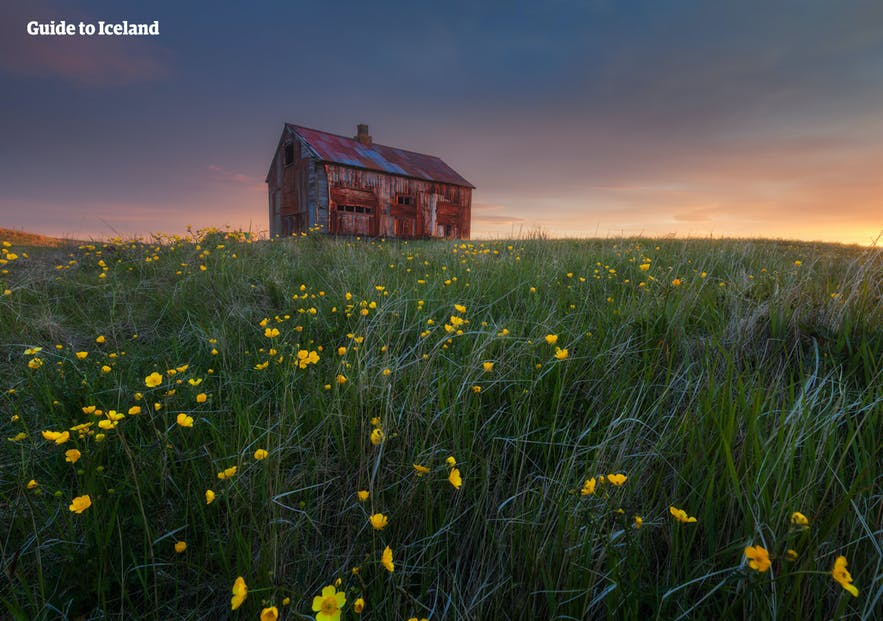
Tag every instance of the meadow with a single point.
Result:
(209, 427)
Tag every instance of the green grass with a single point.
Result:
(751, 390)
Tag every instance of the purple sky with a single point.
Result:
(577, 117)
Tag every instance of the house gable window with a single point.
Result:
(289, 153)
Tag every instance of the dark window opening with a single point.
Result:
(289, 153)
(404, 199)
(355, 208)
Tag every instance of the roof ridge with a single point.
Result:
(386, 146)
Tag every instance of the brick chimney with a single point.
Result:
(362, 134)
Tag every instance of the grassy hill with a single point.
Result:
(511, 429)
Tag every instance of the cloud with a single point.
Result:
(487, 213)
(222, 175)
(93, 61)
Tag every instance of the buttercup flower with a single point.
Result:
(201, 397)
(680, 515)
(329, 604)
(639, 521)
(759, 558)
(153, 380)
(386, 560)
(185, 421)
(82, 355)
(487, 366)
(32, 484)
(226, 474)
(561, 354)
(270, 614)
(378, 521)
(240, 592)
(589, 487)
(180, 547)
(72, 455)
(80, 504)
(377, 436)
(798, 519)
(260, 454)
(551, 339)
(209, 496)
(842, 576)
(359, 606)
(616, 479)
(362, 495)
(421, 470)
(271, 333)
(455, 479)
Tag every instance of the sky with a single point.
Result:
(574, 118)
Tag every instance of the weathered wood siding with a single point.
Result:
(435, 209)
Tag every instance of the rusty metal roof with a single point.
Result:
(350, 152)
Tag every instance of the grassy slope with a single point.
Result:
(741, 396)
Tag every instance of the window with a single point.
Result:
(404, 199)
(289, 153)
(355, 209)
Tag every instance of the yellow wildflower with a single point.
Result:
(561, 354)
(209, 496)
(270, 614)
(260, 454)
(639, 521)
(589, 487)
(100, 338)
(81, 355)
(201, 397)
(228, 473)
(454, 478)
(378, 521)
(240, 592)
(329, 604)
(341, 379)
(72, 455)
(271, 333)
(798, 519)
(80, 504)
(551, 339)
(676, 282)
(153, 380)
(451, 461)
(459, 308)
(842, 576)
(35, 363)
(487, 366)
(359, 606)
(184, 421)
(386, 560)
(134, 410)
(680, 515)
(759, 558)
(59, 437)
(377, 436)
(180, 547)
(362, 495)
(32, 484)
(616, 479)
(421, 470)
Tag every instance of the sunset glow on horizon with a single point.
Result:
(572, 119)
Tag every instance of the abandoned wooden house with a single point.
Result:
(352, 186)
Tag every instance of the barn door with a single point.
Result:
(354, 212)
